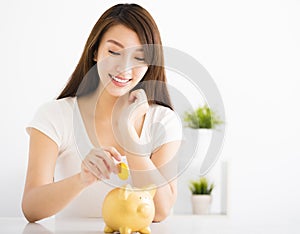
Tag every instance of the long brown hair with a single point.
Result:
(85, 78)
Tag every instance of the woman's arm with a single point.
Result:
(165, 196)
(156, 171)
(42, 197)
(145, 171)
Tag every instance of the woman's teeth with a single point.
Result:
(123, 81)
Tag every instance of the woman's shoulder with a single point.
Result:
(165, 125)
(64, 104)
(53, 119)
(159, 108)
(57, 109)
(162, 112)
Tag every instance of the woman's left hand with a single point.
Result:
(138, 106)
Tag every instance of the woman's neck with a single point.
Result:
(106, 104)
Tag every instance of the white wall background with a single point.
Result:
(251, 49)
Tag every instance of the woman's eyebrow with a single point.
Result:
(116, 43)
(120, 45)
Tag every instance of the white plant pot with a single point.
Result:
(201, 203)
(203, 137)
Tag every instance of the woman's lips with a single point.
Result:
(119, 81)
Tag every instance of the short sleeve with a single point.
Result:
(47, 119)
(167, 128)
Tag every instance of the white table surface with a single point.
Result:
(208, 224)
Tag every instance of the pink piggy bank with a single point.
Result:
(128, 210)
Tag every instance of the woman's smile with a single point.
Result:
(119, 80)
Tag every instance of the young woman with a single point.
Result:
(112, 92)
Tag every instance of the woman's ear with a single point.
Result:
(95, 56)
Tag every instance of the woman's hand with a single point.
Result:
(99, 164)
(135, 109)
(130, 113)
(138, 106)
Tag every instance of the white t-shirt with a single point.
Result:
(61, 121)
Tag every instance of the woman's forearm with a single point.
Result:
(164, 200)
(46, 200)
(144, 173)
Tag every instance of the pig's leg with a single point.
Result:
(125, 230)
(146, 230)
(108, 229)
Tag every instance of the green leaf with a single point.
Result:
(202, 117)
(201, 186)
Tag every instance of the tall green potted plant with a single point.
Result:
(201, 195)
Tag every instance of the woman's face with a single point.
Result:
(120, 60)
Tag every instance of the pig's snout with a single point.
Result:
(144, 210)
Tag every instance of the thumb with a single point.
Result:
(117, 156)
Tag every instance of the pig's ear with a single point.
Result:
(151, 189)
(124, 191)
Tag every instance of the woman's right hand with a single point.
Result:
(99, 164)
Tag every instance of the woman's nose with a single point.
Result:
(125, 65)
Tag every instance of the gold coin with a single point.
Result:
(123, 171)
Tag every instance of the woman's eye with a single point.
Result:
(140, 59)
(113, 52)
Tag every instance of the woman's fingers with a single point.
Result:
(95, 167)
(113, 152)
(102, 169)
(139, 105)
(99, 164)
(138, 95)
(106, 154)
